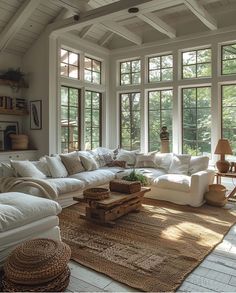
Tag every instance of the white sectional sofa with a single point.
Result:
(24, 217)
(181, 179)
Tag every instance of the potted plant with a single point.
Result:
(135, 176)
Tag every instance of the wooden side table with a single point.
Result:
(229, 175)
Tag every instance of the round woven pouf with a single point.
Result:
(36, 263)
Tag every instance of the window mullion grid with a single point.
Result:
(91, 116)
(131, 119)
(68, 115)
(196, 93)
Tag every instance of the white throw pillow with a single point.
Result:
(179, 164)
(26, 169)
(198, 164)
(163, 160)
(103, 156)
(128, 156)
(56, 167)
(145, 160)
(42, 166)
(88, 161)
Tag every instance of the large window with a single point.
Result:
(229, 114)
(70, 119)
(93, 110)
(130, 72)
(196, 63)
(196, 118)
(160, 104)
(228, 59)
(92, 70)
(69, 64)
(160, 68)
(130, 122)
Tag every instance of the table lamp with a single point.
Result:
(223, 148)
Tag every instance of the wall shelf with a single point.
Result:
(15, 112)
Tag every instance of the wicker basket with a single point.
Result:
(19, 141)
(37, 261)
(125, 186)
(96, 193)
(216, 195)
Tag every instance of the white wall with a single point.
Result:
(212, 39)
(36, 64)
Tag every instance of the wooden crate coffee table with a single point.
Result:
(118, 204)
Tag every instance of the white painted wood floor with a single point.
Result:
(216, 273)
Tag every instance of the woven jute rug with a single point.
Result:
(153, 250)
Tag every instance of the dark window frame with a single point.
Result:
(162, 90)
(182, 111)
(196, 64)
(79, 115)
(130, 73)
(131, 116)
(226, 74)
(160, 69)
(93, 71)
(68, 64)
(100, 117)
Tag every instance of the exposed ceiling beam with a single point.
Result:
(201, 13)
(17, 21)
(106, 38)
(158, 24)
(64, 13)
(109, 12)
(86, 31)
(74, 5)
(122, 31)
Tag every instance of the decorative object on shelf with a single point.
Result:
(125, 186)
(135, 176)
(14, 78)
(6, 129)
(9, 105)
(216, 195)
(19, 141)
(164, 137)
(38, 265)
(96, 193)
(36, 115)
(223, 148)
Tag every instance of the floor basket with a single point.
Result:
(216, 195)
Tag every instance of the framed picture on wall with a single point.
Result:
(36, 115)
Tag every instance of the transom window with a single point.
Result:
(228, 65)
(196, 63)
(196, 119)
(160, 68)
(92, 70)
(130, 121)
(130, 72)
(93, 115)
(70, 119)
(229, 114)
(69, 64)
(160, 105)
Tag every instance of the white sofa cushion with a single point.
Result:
(65, 185)
(128, 156)
(56, 167)
(7, 170)
(198, 163)
(88, 161)
(27, 169)
(18, 209)
(94, 178)
(151, 173)
(176, 182)
(163, 160)
(145, 160)
(179, 164)
(103, 156)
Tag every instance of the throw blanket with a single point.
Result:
(8, 184)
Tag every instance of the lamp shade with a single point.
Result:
(223, 147)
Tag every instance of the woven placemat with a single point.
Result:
(37, 261)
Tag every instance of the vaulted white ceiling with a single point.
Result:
(108, 23)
